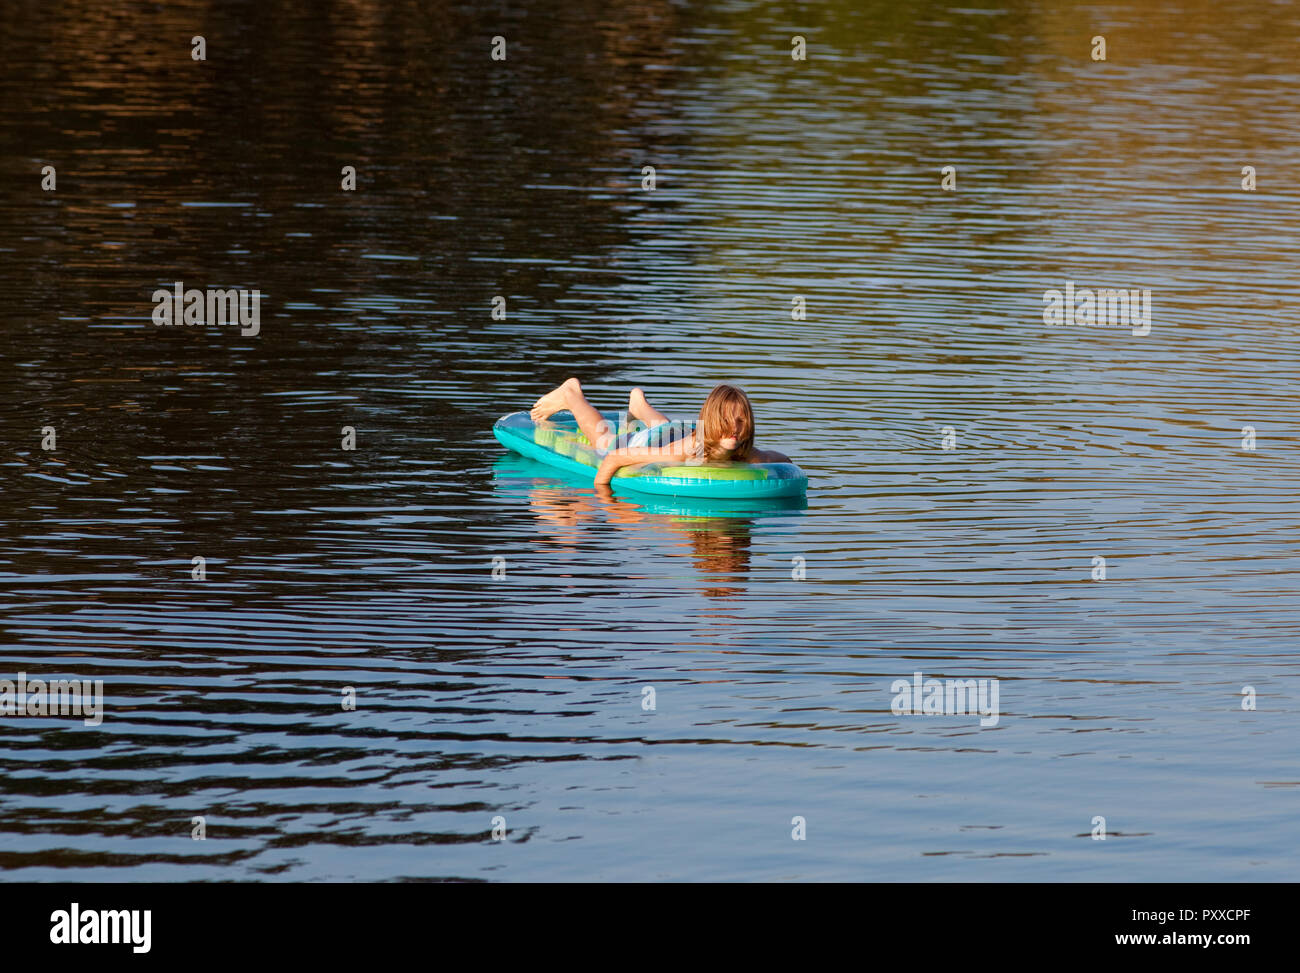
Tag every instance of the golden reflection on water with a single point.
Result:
(718, 547)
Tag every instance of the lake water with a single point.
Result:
(521, 697)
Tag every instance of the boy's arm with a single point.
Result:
(619, 458)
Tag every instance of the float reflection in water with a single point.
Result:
(718, 533)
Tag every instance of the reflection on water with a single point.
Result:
(714, 534)
(771, 636)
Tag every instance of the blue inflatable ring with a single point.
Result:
(558, 443)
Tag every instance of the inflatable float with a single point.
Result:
(559, 443)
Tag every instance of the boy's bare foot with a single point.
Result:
(552, 402)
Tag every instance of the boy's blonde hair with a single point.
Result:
(726, 413)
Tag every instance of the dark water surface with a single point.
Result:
(521, 696)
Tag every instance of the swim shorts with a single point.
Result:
(654, 437)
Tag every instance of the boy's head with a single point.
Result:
(726, 426)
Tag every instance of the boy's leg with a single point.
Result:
(569, 396)
(643, 410)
